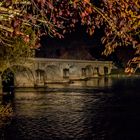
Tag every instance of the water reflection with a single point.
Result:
(108, 114)
(98, 82)
(55, 115)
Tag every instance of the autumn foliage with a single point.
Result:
(25, 21)
(123, 24)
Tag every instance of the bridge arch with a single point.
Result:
(74, 71)
(23, 76)
(53, 72)
(7, 79)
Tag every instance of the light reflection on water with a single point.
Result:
(94, 114)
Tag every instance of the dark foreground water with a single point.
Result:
(101, 113)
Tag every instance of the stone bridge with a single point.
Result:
(41, 71)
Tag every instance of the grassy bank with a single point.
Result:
(6, 113)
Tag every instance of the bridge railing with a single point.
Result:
(69, 60)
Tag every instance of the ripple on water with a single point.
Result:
(103, 115)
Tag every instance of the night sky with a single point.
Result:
(54, 47)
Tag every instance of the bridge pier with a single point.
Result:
(89, 71)
(109, 70)
(101, 71)
(96, 72)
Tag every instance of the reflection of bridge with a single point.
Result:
(42, 71)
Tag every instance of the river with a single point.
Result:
(107, 112)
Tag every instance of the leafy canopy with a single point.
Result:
(23, 22)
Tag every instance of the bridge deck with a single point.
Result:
(69, 60)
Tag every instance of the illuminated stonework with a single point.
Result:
(42, 71)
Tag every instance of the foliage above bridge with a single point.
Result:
(23, 22)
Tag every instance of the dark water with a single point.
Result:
(107, 113)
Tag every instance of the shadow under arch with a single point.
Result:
(8, 82)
